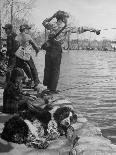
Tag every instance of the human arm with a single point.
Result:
(45, 45)
(12, 45)
(18, 94)
(34, 45)
(46, 23)
(16, 43)
(83, 29)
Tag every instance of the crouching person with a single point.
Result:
(13, 95)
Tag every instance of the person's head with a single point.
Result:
(24, 28)
(8, 28)
(62, 16)
(17, 75)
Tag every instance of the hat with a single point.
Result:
(24, 26)
(61, 15)
(7, 26)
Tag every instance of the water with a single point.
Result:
(91, 79)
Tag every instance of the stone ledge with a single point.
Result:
(91, 141)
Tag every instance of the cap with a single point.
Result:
(7, 26)
(24, 26)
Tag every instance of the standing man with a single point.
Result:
(11, 49)
(12, 46)
(54, 49)
(58, 33)
(24, 57)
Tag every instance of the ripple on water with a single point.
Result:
(94, 75)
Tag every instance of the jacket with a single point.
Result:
(12, 45)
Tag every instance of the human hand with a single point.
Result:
(36, 54)
(40, 88)
(37, 51)
(65, 21)
(32, 97)
(55, 14)
(24, 92)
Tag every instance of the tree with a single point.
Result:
(16, 12)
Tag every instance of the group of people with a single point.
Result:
(23, 41)
(19, 48)
(13, 43)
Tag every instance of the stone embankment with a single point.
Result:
(91, 141)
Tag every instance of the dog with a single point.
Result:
(61, 110)
(64, 117)
(15, 130)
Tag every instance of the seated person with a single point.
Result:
(13, 96)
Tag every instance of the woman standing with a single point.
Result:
(53, 49)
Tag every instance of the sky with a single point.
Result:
(100, 14)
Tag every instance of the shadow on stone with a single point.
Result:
(1, 108)
(5, 147)
(4, 117)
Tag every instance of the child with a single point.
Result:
(13, 95)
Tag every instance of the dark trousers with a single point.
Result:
(23, 65)
(11, 65)
(30, 71)
(52, 70)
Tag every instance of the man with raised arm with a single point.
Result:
(57, 35)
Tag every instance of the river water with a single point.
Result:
(88, 79)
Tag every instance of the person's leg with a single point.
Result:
(11, 65)
(33, 71)
(22, 64)
(47, 71)
(27, 70)
(55, 71)
(4, 101)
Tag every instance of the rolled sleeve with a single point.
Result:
(48, 25)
